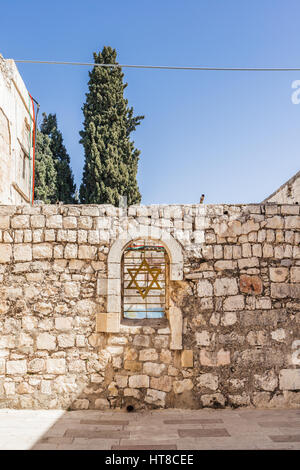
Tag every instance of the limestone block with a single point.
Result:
(133, 366)
(4, 222)
(204, 288)
(36, 365)
(85, 222)
(176, 327)
(161, 341)
(295, 274)
(225, 286)
(187, 358)
(72, 289)
(235, 302)
(148, 355)
(166, 356)
(41, 251)
(213, 400)
(202, 338)
(71, 251)
(141, 340)
(275, 222)
(292, 222)
(2, 366)
(132, 392)
(9, 388)
(156, 397)
(20, 221)
(22, 252)
(282, 290)
(289, 379)
(250, 284)
(214, 359)
(163, 383)
(54, 221)
(46, 341)
(139, 381)
(180, 386)
(63, 323)
(16, 367)
(279, 335)
(108, 322)
(248, 263)
(121, 380)
(56, 366)
(268, 381)
(69, 222)
(229, 318)
(153, 369)
(87, 252)
(66, 340)
(5, 253)
(208, 381)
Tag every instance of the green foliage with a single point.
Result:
(65, 187)
(45, 172)
(111, 161)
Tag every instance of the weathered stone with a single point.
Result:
(268, 381)
(208, 381)
(56, 366)
(225, 286)
(279, 274)
(215, 400)
(16, 367)
(163, 383)
(46, 341)
(139, 381)
(180, 386)
(5, 253)
(235, 302)
(289, 379)
(187, 358)
(148, 355)
(202, 338)
(153, 369)
(250, 284)
(295, 274)
(212, 359)
(140, 340)
(156, 397)
(36, 365)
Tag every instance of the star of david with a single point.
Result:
(144, 268)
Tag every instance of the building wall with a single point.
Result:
(236, 339)
(288, 193)
(15, 142)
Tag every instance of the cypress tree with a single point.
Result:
(65, 187)
(111, 161)
(45, 172)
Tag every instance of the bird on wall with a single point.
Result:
(202, 198)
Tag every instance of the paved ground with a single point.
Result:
(169, 429)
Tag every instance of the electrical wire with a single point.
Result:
(165, 67)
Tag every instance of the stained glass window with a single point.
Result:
(145, 272)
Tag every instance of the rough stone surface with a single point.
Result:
(231, 335)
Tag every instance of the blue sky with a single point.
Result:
(231, 135)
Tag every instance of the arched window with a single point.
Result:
(164, 257)
(145, 274)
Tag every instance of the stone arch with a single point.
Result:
(111, 286)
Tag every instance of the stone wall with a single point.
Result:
(234, 303)
(288, 193)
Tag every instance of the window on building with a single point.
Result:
(145, 271)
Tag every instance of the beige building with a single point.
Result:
(16, 131)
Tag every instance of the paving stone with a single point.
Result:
(286, 438)
(203, 432)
